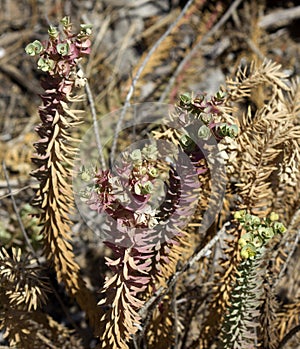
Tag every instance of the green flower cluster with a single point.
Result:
(34, 48)
(228, 130)
(258, 232)
(206, 109)
(144, 171)
(61, 52)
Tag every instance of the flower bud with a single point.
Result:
(266, 232)
(206, 117)
(147, 188)
(153, 172)
(150, 152)
(248, 251)
(220, 95)
(85, 176)
(53, 33)
(86, 29)
(240, 215)
(204, 132)
(136, 156)
(233, 131)
(45, 64)
(279, 228)
(65, 21)
(143, 189)
(274, 217)
(245, 239)
(185, 99)
(255, 220)
(257, 241)
(63, 48)
(187, 142)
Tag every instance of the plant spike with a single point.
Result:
(148, 241)
(58, 58)
(239, 329)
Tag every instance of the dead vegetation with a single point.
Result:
(252, 49)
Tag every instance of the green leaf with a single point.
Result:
(220, 95)
(53, 32)
(186, 98)
(65, 21)
(86, 29)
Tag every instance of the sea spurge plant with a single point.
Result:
(58, 58)
(131, 232)
(147, 199)
(241, 320)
